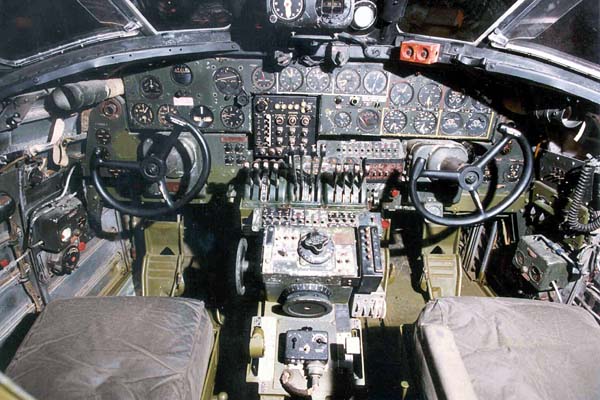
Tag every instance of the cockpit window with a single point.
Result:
(464, 20)
(169, 15)
(568, 26)
(30, 27)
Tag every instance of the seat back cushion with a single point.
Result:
(116, 348)
(519, 349)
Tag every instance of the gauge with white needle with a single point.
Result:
(287, 10)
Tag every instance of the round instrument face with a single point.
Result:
(232, 117)
(342, 119)
(182, 74)
(452, 123)
(347, 81)
(455, 99)
(317, 80)
(287, 10)
(163, 111)
(425, 122)
(262, 80)
(202, 116)
(375, 82)
(402, 93)
(430, 95)
(151, 87)
(227, 80)
(290, 79)
(394, 121)
(142, 113)
(103, 136)
(477, 125)
(368, 120)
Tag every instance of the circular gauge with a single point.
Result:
(202, 116)
(151, 87)
(347, 81)
(452, 122)
(477, 125)
(182, 74)
(317, 80)
(394, 121)
(163, 111)
(111, 109)
(290, 79)
(368, 120)
(232, 117)
(480, 106)
(425, 122)
(262, 80)
(342, 119)
(402, 93)
(455, 99)
(103, 136)
(287, 10)
(142, 113)
(430, 95)
(227, 80)
(375, 82)
(365, 15)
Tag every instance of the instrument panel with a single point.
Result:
(310, 134)
(355, 100)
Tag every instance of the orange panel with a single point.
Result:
(419, 52)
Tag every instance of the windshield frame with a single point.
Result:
(137, 24)
(501, 39)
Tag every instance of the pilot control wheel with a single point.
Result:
(151, 169)
(469, 177)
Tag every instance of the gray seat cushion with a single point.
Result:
(510, 348)
(116, 348)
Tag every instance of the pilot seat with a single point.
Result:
(505, 348)
(118, 348)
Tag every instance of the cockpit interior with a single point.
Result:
(300, 199)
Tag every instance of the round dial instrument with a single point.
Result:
(262, 80)
(375, 82)
(317, 80)
(290, 79)
(151, 87)
(477, 125)
(430, 95)
(425, 123)
(227, 80)
(103, 136)
(287, 10)
(402, 93)
(182, 74)
(342, 119)
(202, 116)
(455, 99)
(394, 121)
(232, 117)
(347, 81)
(452, 122)
(368, 120)
(142, 113)
(163, 111)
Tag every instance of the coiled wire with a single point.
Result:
(573, 222)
